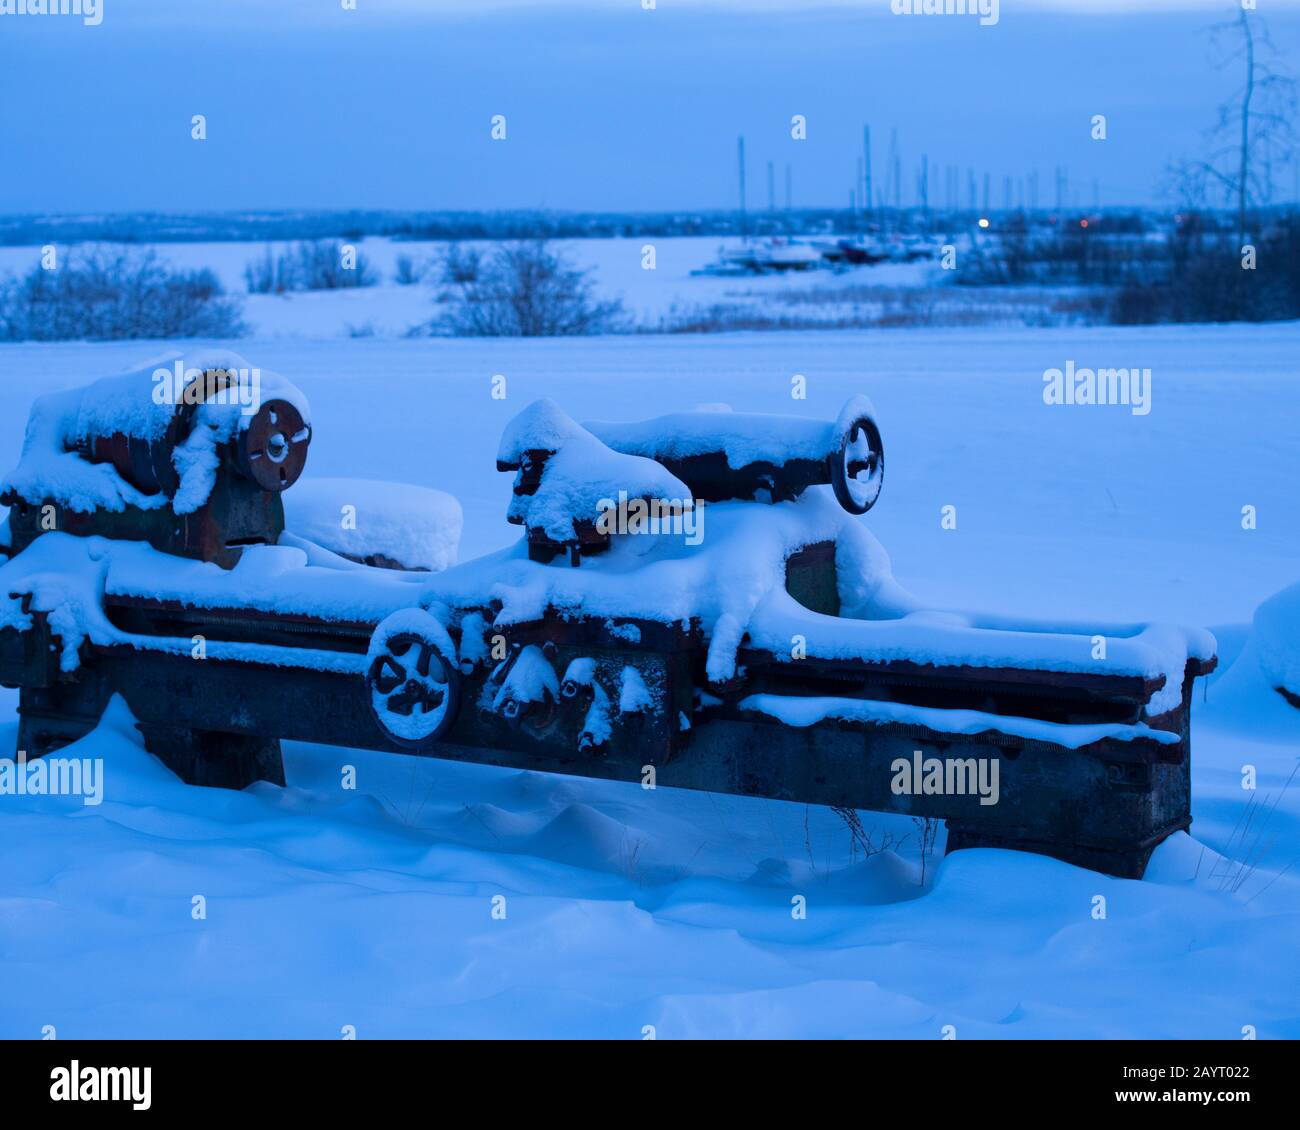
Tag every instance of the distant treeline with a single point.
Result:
(147, 227)
(352, 225)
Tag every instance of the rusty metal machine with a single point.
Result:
(256, 462)
(739, 633)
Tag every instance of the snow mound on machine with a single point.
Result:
(581, 474)
(394, 525)
(733, 585)
(744, 437)
(139, 404)
(1277, 640)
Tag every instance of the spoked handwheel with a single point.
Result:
(412, 680)
(273, 448)
(858, 466)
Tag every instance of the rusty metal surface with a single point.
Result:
(244, 507)
(1096, 806)
(236, 515)
(1130, 792)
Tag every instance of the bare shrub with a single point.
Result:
(1207, 282)
(861, 839)
(409, 270)
(307, 265)
(461, 265)
(520, 289)
(110, 295)
(271, 274)
(927, 829)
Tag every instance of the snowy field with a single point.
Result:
(392, 310)
(626, 908)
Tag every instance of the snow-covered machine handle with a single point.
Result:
(858, 465)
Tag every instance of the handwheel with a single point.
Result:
(273, 448)
(411, 679)
(858, 466)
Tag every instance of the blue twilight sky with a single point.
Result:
(609, 106)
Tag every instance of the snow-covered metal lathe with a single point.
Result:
(693, 602)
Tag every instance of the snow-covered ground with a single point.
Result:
(626, 908)
(616, 266)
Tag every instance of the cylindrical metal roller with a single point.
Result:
(741, 455)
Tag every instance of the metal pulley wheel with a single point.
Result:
(273, 448)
